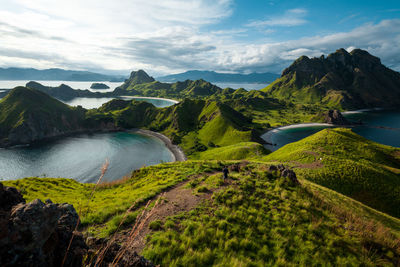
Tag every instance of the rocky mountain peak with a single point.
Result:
(140, 76)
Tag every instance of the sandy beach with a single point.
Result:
(176, 151)
(156, 98)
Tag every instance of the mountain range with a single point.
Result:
(213, 77)
(55, 75)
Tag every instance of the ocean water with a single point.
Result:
(75, 85)
(247, 86)
(81, 157)
(89, 102)
(379, 126)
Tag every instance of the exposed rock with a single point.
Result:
(99, 256)
(272, 168)
(291, 175)
(335, 117)
(9, 197)
(37, 233)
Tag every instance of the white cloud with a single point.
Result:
(292, 17)
(74, 31)
(162, 37)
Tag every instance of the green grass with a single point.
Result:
(104, 211)
(262, 220)
(349, 164)
(22, 104)
(243, 150)
(254, 219)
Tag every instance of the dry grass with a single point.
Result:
(373, 234)
(138, 226)
(104, 169)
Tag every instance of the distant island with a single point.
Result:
(55, 75)
(99, 86)
(212, 76)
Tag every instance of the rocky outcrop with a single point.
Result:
(348, 80)
(285, 172)
(335, 117)
(37, 233)
(9, 197)
(105, 253)
(137, 77)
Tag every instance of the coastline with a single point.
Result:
(148, 97)
(266, 134)
(361, 110)
(176, 151)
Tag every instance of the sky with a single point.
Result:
(172, 36)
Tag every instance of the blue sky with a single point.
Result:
(170, 36)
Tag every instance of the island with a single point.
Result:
(99, 86)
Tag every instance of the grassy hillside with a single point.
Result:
(179, 90)
(244, 150)
(256, 218)
(265, 110)
(196, 125)
(350, 164)
(27, 110)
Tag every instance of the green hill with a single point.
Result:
(350, 164)
(28, 115)
(196, 125)
(140, 83)
(341, 80)
(256, 218)
(65, 92)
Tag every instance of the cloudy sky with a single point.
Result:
(170, 36)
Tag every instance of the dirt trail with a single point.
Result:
(180, 198)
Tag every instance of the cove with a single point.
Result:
(379, 126)
(91, 102)
(81, 157)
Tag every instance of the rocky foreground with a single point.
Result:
(43, 234)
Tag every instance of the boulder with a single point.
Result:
(335, 117)
(9, 197)
(272, 168)
(291, 175)
(37, 233)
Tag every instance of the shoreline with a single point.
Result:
(176, 151)
(149, 97)
(361, 110)
(266, 135)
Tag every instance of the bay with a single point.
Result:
(81, 157)
(381, 126)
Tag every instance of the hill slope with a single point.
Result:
(341, 80)
(140, 83)
(65, 92)
(350, 164)
(194, 124)
(255, 217)
(28, 115)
